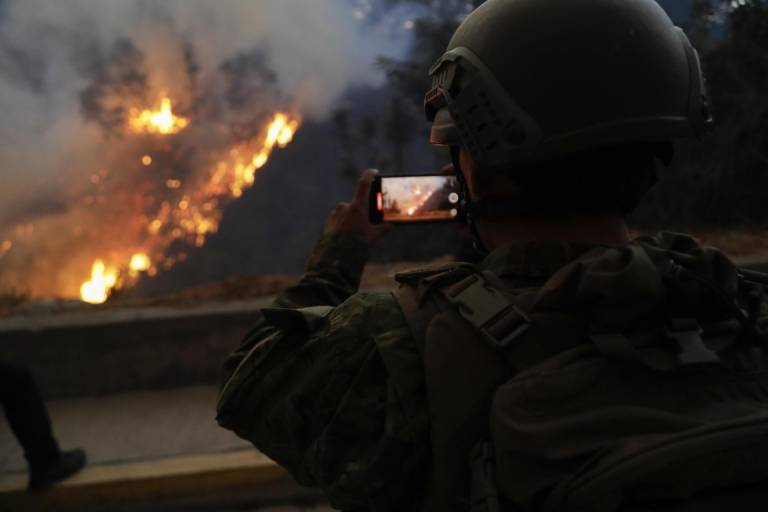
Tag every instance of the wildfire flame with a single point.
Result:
(248, 160)
(97, 289)
(195, 212)
(5, 247)
(161, 121)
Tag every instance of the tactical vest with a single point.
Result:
(634, 379)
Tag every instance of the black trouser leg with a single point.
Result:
(28, 416)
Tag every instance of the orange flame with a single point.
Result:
(97, 289)
(248, 160)
(161, 121)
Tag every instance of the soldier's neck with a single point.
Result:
(602, 230)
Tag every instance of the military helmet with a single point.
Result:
(525, 81)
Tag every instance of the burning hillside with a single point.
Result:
(129, 126)
(171, 207)
(156, 192)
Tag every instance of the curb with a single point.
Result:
(206, 476)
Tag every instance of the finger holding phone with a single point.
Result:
(353, 217)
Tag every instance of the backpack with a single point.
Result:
(633, 379)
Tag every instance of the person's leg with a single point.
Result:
(28, 416)
(31, 425)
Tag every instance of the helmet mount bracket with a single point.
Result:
(482, 116)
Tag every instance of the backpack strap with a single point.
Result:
(416, 316)
(753, 276)
(414, 291)
(501, 320)
(685, 332)
(484, 495)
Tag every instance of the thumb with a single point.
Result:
(363, 189)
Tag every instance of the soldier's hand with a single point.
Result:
(352, 218)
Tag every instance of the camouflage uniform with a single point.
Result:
(334, 394)
(330, 383)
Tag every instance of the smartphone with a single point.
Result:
(415, 198)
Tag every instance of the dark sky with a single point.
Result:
(678, 10)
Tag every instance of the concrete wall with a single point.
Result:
(120, 350)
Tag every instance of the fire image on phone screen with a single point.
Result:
(419, 198)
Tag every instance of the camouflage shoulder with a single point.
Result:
(367, 311)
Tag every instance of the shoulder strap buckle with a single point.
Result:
(494, 315)
(687, 333)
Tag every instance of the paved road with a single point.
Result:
(132, 426)
(153, 451)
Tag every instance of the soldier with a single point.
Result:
(574, 368)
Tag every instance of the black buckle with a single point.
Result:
(687, 333)
(496, 317)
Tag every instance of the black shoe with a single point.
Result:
(69, 463)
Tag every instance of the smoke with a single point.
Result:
(73, 72)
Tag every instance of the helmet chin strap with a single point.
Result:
(469, 218)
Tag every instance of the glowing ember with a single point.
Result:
(140, 262)
(161, 121)
(146, 160)
(97, 289)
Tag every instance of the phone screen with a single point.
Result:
(404, 199)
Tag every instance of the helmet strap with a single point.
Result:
(466, 202)
(494, 208)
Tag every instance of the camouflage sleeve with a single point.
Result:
(333, 274)
(333, 394)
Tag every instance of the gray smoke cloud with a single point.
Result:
(71, 70)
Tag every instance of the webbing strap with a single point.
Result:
(484, 493)
(686, 332)
(416, 314)
(754, 276)
(616, 345)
